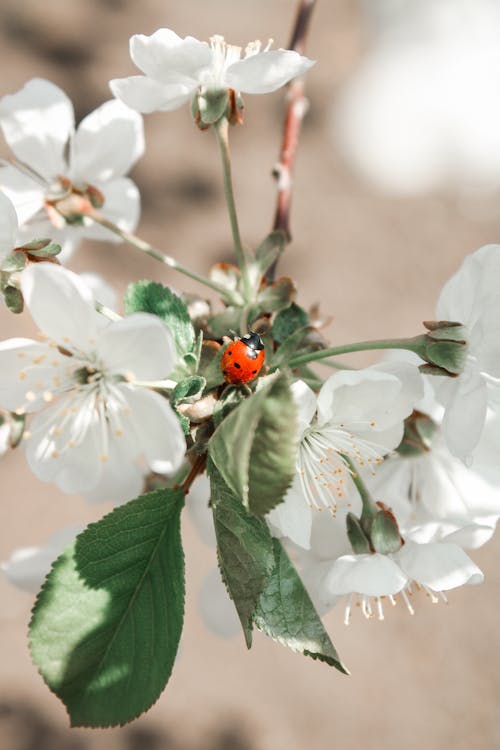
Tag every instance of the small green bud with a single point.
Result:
(385, 536)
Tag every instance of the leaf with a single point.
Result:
(290, 346)
(106, 624)
(13, 299)
(210, 363)
(266, 255)
(154, 298)
(186, 391)
(47, 251)
(13, 262)
(263, 429)
(288, 321)
(274, 297)
(244, 549)
(286, 614)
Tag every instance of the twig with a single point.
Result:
(296, 109)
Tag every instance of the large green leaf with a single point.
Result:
(154, 298)
(286, 614)
(244, 548)
(254, 447)
(106, 624)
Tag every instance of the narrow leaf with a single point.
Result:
(263, 428)
(288, 321)
(286, 614)
(106, 624)
(244, 549)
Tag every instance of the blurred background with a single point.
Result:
(398, 177)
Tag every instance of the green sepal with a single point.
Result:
(286, 613)
(17, 426)
(384, 533)
(359, 541)
(154, 298)
(13, 299)
(244, 549)
(263, 428)
(419, 432)
(13, 262)
(50, 250)
(212, 106)
(107, 622)
(288, 321)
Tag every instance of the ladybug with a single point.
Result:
(243, 359)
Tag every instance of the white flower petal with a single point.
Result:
(107, 143)
(199, 512)
(438, 565)
(8, 225)
(60, 304)
(465, 414)
(37, 122)
(122, 206)
(293, 517)
(145, 95)
(369, 575)
(216, 608)
(28, 566)
(165, 57)
(267, 71)
(305, 401)
(157, 429)
(139, 345)
(472, 536)
(25, 368)
(120, 477)
(101, 290)
(26, 194)
(462, 296)
(378, 396)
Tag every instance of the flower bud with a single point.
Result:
(419, 431)
(359, 541)
(384, 532)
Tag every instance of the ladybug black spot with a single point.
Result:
(237, 365)
(229, 352)
(254, 372)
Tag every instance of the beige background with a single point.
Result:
(376, 265)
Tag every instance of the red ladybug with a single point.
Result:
(243, 359)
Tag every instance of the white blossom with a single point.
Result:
(9, 226)
(175, 69)
(38, 123)
(358, 415)
(472, 297)
(97, 429)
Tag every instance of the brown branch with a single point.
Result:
(296, 109)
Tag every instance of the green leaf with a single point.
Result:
(244, 549)
(273, 298)
(263, 428)
(13, 262)
(186, 392)
(106, 624)
(289, 347)
(286, 614)
(288, 321)
(37, 244)
(266, 255)
(154, 298)
(47, 251)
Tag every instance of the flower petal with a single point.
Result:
(293, 517)
(438, 565)
(157, 430)
(37, 122)
(139, 345)
(370, 575)
(122, 206)
(61, 305)
(28, 566)
(462, 296)
(305, 401)
(167, 58)
(26, 371)
(466, 404)
(216, 608)
(8, 225)
(120, 478)
(199, 512)
(145, 95)
(107, 143)
(267, 71)
(378, 396)
(26, 194)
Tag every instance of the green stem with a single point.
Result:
(107, 312)
(222, 134)
(167, 260)
(369, 508)
(415, 344)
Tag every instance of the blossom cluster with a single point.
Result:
(376, 481)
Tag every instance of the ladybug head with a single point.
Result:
(253, 340)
